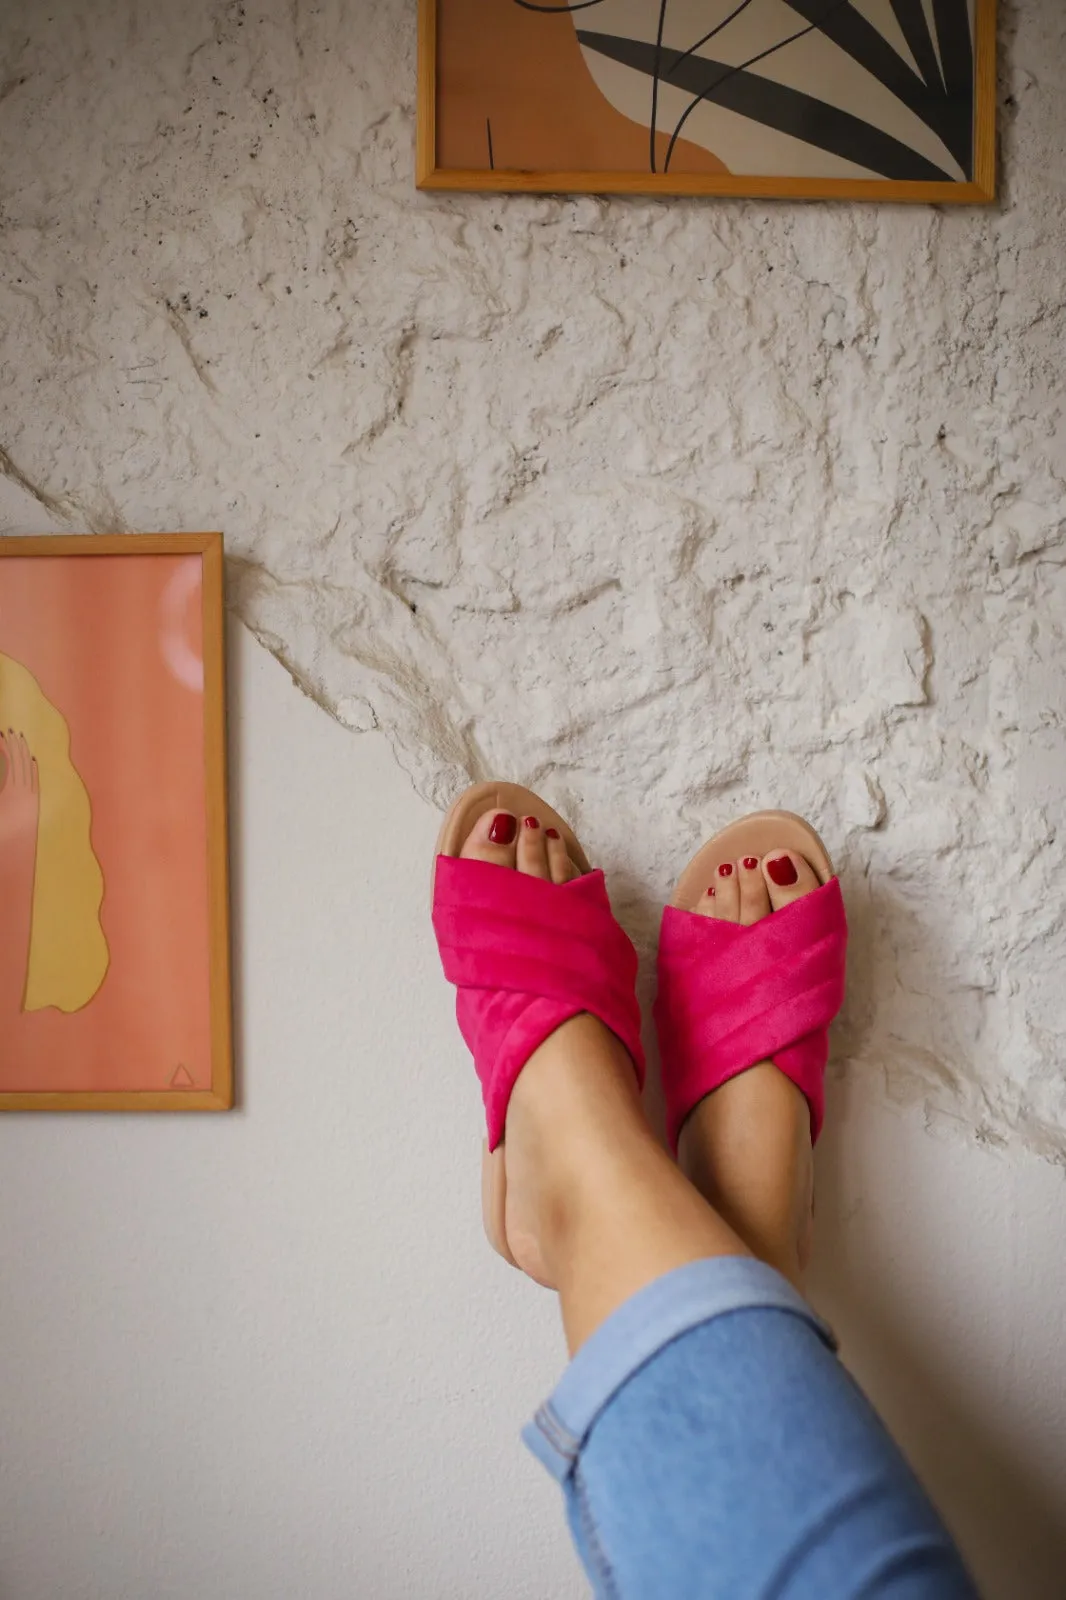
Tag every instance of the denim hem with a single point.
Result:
(638, 1330)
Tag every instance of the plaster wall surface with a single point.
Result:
(269, 1353)
(672, 509)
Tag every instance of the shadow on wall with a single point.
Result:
(932, 1389)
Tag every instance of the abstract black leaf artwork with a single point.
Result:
(866, 99)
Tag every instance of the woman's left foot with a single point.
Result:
(747, 1146)
(747, 890)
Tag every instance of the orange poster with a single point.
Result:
(109, 967)
(874, 101)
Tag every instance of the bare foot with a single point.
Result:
(747, 1146)
(19, 814)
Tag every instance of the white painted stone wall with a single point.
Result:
(671, 510)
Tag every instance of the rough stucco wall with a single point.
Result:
(671, 510)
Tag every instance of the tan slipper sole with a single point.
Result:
(756, 835)
(456, 828)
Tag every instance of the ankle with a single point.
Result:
(579, 1076)
(747, 1149)
(574, 1121)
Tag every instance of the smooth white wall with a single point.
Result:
(269, 1353)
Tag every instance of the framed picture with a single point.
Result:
(114, 936)
(816, 99)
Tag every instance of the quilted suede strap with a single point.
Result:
(525, 955)
(731, 996)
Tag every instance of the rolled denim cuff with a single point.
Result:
(639, 1329)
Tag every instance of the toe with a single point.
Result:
(531, 854)
(707, 899)
(788, 877)
(754, 896)
(560, 867)
(492, 838)
(706, 903)
(725, 902)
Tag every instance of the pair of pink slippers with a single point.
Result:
(526, 954)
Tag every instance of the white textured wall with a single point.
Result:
(672, 509)
(269, 1354)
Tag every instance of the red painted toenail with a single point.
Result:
(553, 833)
(531, 822)
(751, 862)
(503, 828)
(711, 889)
(726, 869)
(782, 872)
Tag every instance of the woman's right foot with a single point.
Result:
(594, 1206)
(747, 1146)
(564, 1087)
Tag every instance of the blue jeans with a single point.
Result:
(709, 1443)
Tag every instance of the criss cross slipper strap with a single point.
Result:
(731, 996)
(524, 956)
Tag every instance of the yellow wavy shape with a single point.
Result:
(69, 957)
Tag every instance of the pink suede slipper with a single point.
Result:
(524, 955)
(731, 996)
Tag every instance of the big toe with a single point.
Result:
(788, 877)
(492, 838)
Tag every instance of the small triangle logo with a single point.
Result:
(182, 1078)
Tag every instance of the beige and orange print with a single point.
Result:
(104, 919)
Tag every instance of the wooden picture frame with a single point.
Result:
(112, 662)
(526, 88)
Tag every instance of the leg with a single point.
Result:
(707, 1439)
(708, 1442)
